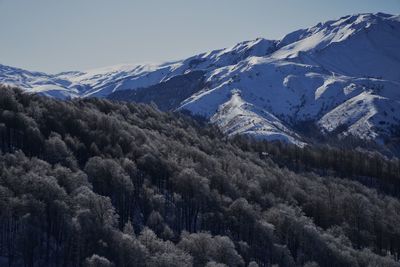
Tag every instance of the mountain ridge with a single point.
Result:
(340, 74)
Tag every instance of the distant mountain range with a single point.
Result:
(342, 75)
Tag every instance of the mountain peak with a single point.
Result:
(338, 30)
(363, 45)
(361, 20)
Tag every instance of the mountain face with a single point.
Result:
(166, 95)
(343, 75)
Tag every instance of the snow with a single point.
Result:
(238, 117)
(343, 72)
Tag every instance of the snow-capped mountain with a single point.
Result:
(343, 74)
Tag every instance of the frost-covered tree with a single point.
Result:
(98, 261)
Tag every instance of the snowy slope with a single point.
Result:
(239, 117)
(342, 74)
(365, 45)
(37, 82)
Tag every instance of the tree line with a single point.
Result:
(370, 168)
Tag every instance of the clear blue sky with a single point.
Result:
(59, 35)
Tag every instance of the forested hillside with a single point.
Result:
(91, 182)
(346, 158)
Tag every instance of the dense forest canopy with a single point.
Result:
(91, 182)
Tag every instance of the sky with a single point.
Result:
(54, 36)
